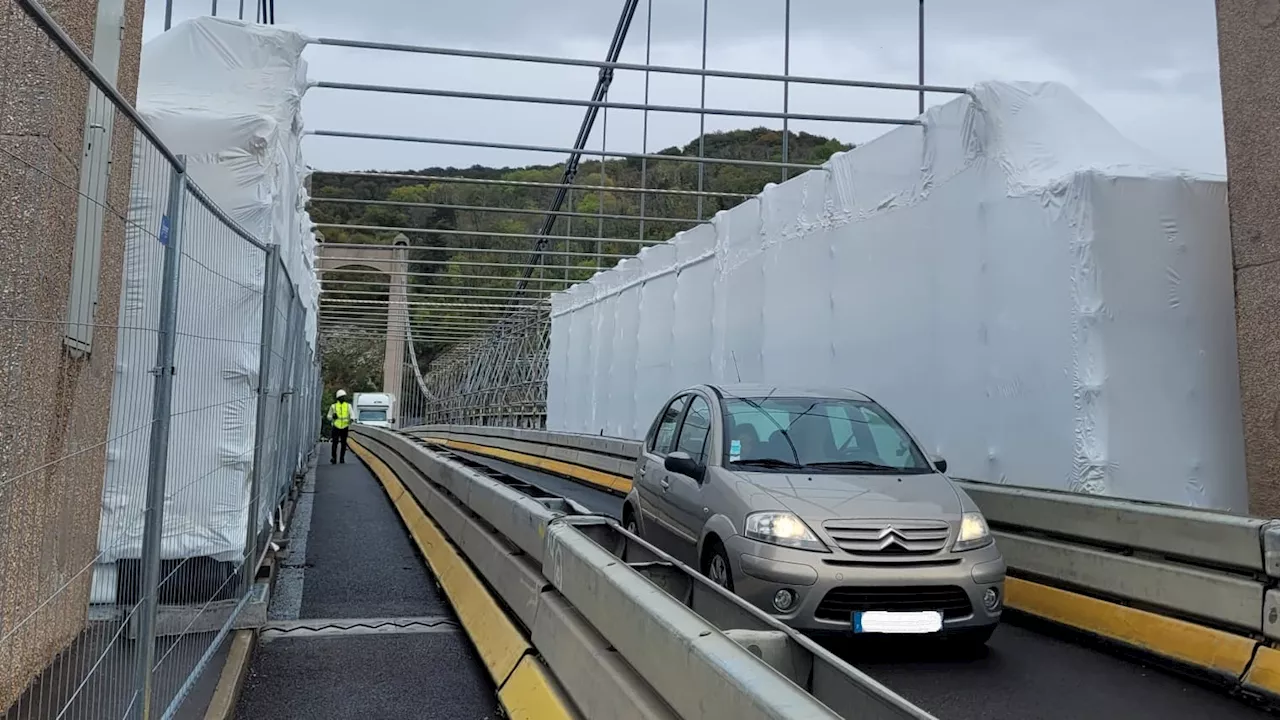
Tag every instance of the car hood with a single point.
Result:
(816, 498)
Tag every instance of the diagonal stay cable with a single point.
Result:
(603, 81)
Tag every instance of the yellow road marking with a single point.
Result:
(1264, 673)
(596, 478)
(1169, 637)
(525, 689)
(529, 694)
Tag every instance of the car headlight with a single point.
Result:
(974, 532)
(782, 528)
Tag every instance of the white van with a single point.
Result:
(374, 409)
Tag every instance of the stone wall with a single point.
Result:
(56, 402)
(1249, 51)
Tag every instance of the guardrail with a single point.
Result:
(627, 630)
(1195, 587)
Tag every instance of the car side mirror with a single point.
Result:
(940, 463)
(680, 463)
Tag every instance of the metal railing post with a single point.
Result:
(270, 275)
(288, 460)
(158, 453)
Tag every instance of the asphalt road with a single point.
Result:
(1026, 672)
(360, 563)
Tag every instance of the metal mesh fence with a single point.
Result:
(145, 455)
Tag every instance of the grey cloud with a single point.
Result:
(1149, 66)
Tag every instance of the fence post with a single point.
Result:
(286, 461)
(158, 451)
(271, 272)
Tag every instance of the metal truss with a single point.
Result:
(498, 379)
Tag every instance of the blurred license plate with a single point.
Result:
(915, 623)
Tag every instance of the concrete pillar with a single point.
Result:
(397, 317)
(58, 397)
(1249, 51)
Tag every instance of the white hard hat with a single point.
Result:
(341, 393)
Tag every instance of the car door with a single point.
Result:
(681, 496)
(651, 475)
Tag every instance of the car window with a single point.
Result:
(693, 433)
(666, 433)
(822, 434)
(891, 446)
(842, 428)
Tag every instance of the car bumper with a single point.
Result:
(760, 570)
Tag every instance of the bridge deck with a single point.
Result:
(351, 568)
(1027, 671)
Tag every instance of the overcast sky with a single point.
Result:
(1149, 66)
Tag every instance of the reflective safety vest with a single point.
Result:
(341, 414)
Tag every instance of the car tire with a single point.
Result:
(629, 522)
(715, 564)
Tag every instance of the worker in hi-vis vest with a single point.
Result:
(340, 418)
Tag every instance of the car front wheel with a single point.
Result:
(715, 565)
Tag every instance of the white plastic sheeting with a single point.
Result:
(1038, 299)
(226, 95)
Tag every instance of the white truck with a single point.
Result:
(374, 409)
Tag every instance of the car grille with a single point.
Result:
(842, 602)
(878, 538)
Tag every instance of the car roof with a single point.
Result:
(747, 390)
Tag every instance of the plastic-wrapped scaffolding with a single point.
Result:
(1043, 302)
(225, 95)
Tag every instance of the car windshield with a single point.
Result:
(373, 415)
(780, 434)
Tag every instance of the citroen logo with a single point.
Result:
(889, 537)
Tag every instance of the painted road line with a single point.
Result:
(525, 690)
(234, 671)
(1219, 652)
(1264, 672)
(598, 479)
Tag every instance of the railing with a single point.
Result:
(159, 394)
(1194, 587)
(590, 594)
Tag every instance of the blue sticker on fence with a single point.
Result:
(164, 230)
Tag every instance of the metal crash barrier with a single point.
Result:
(626, 630)
(1195, 587)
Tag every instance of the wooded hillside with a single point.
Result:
(390, 202)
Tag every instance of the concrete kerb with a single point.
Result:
(243, 641)
(599, 682)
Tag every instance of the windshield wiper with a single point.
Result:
(770, 463)
(853, 464)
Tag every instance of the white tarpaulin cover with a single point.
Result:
(1035, 296)
(226, 95)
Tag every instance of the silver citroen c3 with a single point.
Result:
(818, 507)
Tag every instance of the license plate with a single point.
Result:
(897, 623)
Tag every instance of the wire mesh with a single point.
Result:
(92, 207)
(74, 184)
(204, 549)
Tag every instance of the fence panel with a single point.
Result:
(83, 194)
(130, 531)
(206, 560)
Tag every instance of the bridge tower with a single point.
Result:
(393, 261)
